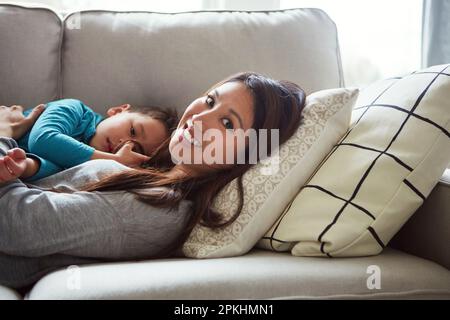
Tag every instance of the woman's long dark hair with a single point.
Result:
(277, 105)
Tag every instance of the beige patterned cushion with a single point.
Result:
(382, 170)
(326, 119)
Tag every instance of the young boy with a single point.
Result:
(69, 133)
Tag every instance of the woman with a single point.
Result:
(43, 230)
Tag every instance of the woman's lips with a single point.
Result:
(187, 135)
(180, 131)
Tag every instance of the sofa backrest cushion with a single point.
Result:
(169, 59)
(30, 40)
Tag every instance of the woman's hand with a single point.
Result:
(13, 165)
(14, 124)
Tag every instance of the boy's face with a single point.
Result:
(122, 125)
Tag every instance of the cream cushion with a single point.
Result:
(260, 274)
(382, 170)
(267, 189)
(8, 294)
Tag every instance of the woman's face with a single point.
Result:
(208, 134)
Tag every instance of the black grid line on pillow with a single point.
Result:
(272, 238)
(406, 111)
(380, 153)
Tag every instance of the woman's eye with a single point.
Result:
(132, 131)
(210, 101)
(227, 123)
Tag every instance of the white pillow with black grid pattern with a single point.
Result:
(374, 179)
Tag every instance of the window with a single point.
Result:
(378, 39)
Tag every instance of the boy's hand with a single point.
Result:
(128, 157)
(13, 165)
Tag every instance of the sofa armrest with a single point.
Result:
(427, 232)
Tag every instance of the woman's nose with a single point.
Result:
(203, 119)
(195, 118)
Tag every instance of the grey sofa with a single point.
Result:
(106, 58)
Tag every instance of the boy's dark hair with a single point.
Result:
(168, 116)
(161, 157)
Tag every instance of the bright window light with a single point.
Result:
(378, 39)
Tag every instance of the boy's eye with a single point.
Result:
(210, 101)
(132, 131)
(227, 123)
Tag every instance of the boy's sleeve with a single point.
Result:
(51, 135)
(46, 168)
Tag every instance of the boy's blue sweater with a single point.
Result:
(60, 137)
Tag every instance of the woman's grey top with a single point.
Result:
(41, 231)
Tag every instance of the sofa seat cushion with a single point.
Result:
(260, 274)
(8, 294)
